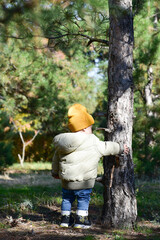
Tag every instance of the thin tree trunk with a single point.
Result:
(120, 208)
(148, 92)
(148, 101)
(23, 149)
(25, 144)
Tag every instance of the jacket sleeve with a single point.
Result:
(106, 148)
(55, 164)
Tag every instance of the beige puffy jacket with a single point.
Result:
(76, 158)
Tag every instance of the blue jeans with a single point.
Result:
(69, 196)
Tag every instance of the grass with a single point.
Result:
(148, 196)
(97, 195)
(22, 199)
(89, 238)
(3, 226)
(19, 200)
(143, 229)
(29, 167)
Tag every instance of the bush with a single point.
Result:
(40, 150)
(6, 157)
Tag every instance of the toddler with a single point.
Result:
(75, 162)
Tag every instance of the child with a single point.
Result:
(75, 162)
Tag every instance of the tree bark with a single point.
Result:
(120, 207)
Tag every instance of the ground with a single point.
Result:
(42, 229)
(44, 222)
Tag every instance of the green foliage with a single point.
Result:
(26, 199)
(6, 157)
(148, 201)
(147, 47)
(43, 86)
(97, 196)
(89, 238)
(146, 69)
(143, 229)
(44, 65)
(74, 21)
(6, 146)
(43, 73)
(3, 226)
(40, 150)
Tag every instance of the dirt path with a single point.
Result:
(13, 178)
(43, 230)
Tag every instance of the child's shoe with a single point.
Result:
(67, 221)
(82, 222)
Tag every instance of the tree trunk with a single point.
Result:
(120, 207)
(148, 101)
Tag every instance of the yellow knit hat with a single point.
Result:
(79, 118)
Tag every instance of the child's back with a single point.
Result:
(77, 158)
(75, 162)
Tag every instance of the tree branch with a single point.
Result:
(36, 133)
(91, 39)
(82, 35)
(97, 40)
(104, 129)
(21, 136)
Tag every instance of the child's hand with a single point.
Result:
(126, 149)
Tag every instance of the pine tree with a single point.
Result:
(146, 77)
(39, 83)
(120, 209)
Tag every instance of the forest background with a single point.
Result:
(53, 54)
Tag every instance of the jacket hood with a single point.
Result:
(69, 142)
